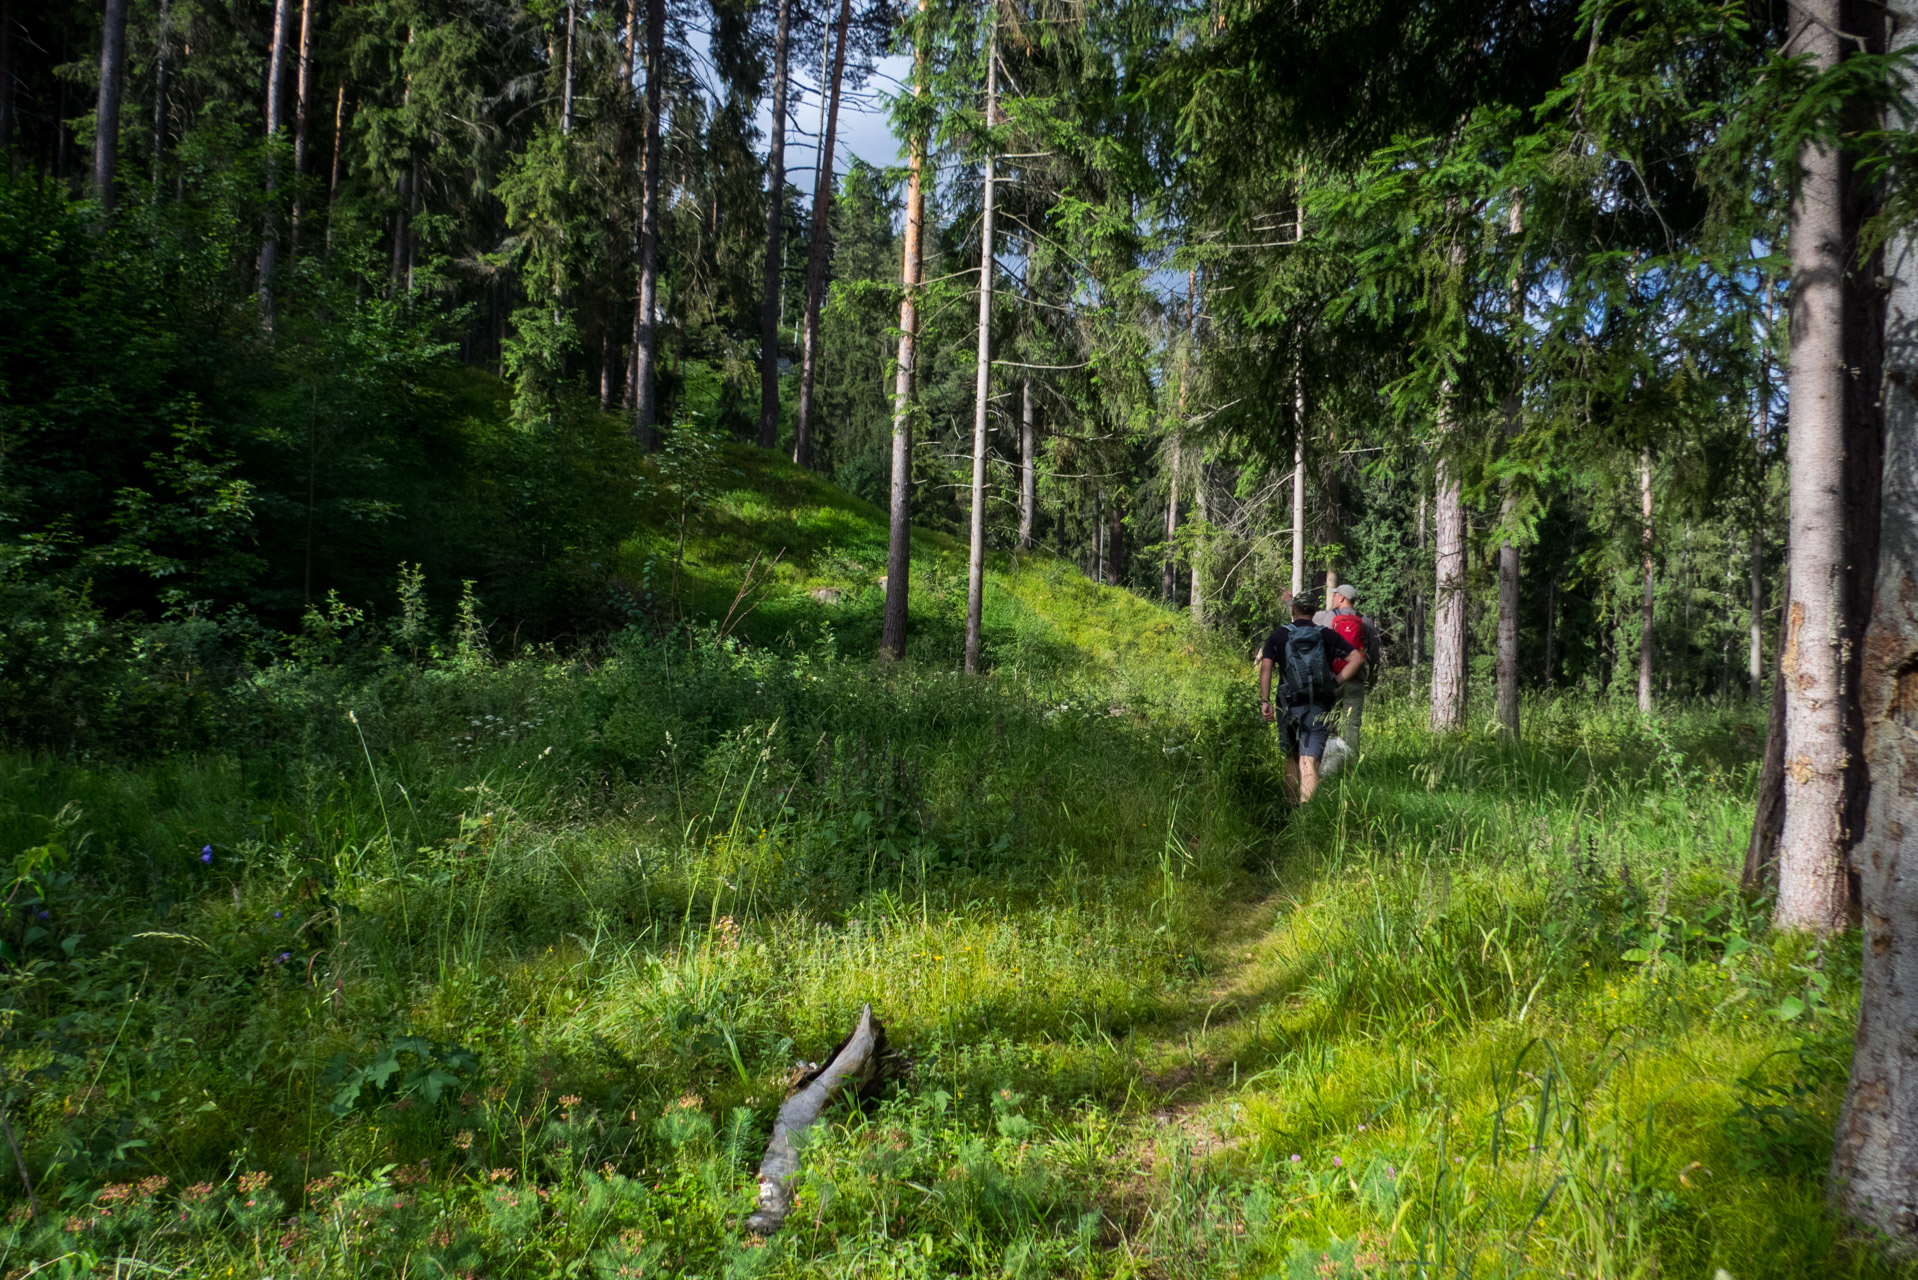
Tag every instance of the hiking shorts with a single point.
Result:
(1303, 730)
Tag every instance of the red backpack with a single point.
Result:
(1351, 629)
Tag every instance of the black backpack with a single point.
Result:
(1308, 675)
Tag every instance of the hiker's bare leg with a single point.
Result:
(1308, 778)
(1292, 778)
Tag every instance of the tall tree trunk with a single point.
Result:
(775, 223)
(7, 24)
(333, 171)
(1508, 625)
(1169, 586)
(162, 56)
(982, 384)
(1551, 633)
(566, 89)
(1448, 638)
(275, 101)
(1756, 643)
(302, 110)
(821, 240)
(1202, 500)
(1028, 473)
(1418, 594)
(1116, 565)
(1835, 454)
(113, 71)
(1331, 517)
(1874, 1162)
(645, 326)
(1645, 608)
(892, 638)
(1298, 488)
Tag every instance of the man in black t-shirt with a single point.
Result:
(1305, 655)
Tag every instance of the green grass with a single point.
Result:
(507, 974)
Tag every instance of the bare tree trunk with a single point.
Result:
(162, 54)
(775, 223)
(7, 24)
(1645, 610)
(1508, 627)
(1203, 501)
(113, 71)
(1028, 473)
(982, 388)
(1116, 565)
(302, 109)
(1874, 1163)
(645, 326)
(1331, 517)
(275, 121)
(1551, 633)
(1756, 657)
(892, 639)
(1835, 456)
(1298, 489)
(822, 198)
(1448, 640)
(566, 89)
(1418, 595)
(1169, 584)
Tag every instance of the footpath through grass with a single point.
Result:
(505, 972)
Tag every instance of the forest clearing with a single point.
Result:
(707, 638)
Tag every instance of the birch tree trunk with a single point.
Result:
(566, 89)
(1874, 1165)
(1448, 638)
(1646, 565)
(775, 223)
(645, 321)
(1835, 455)
(1028, 474)
(113, 70)
(982, 387)
(821, 239)
(302, 110)
(892, 638)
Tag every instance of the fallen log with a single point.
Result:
(855, 1065)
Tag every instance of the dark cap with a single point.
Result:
(1305, 602)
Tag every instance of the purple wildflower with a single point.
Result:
(1337, 1163)
(1295, 1157)
(206, 854)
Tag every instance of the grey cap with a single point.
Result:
(1350, 592)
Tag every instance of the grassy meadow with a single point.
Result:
(448, 962)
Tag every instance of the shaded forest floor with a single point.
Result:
(505, 973)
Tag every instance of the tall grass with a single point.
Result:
(506, 974)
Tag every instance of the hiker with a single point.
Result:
(1343, 617)
(1314, 664)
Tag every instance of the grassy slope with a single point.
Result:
(1495, 1011)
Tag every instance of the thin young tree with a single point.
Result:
(820, 241)
(982, 387)
(645, 319)
(113, 71)
(162, 58)
(1448, 593)
(775, 222)
(1648, 570)
(1874, 1162)
(892, 638)
(1028, 470)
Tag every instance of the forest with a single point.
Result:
(596, 595)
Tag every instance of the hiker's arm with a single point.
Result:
(1265, 688)
(1352, 667)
